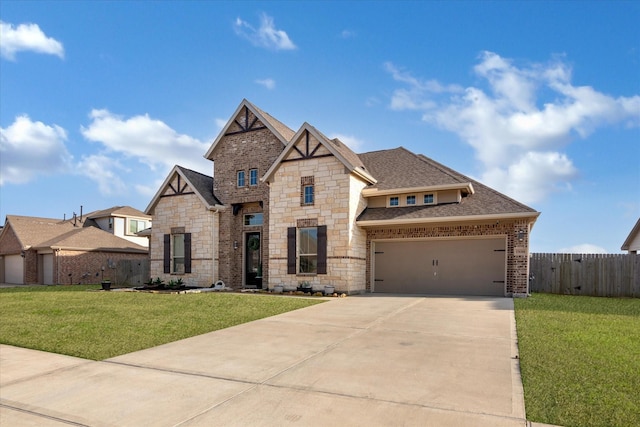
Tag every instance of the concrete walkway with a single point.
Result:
(357, 361)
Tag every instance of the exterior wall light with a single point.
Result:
(520, 234)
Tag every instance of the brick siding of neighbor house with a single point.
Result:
(83, 267)
(9, 245)
(517, 259)
(185, 211)
(337, 204)
(254, 149)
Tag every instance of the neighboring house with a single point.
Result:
(52, 251)
(121, 221)
(287, 207)
(632, 243)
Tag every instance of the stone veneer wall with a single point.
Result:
(333, 207)
(517, 252)
(255, 149)
(188, 211)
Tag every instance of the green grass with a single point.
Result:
(580, 359)
(73, 320)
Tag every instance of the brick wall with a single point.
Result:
(238, 150)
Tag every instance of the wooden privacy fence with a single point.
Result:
(131, 272)
(604, 275)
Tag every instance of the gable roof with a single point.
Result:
(401, 170)
(40, 233)
(280, 130)
(117, 211)
(635, 231)
(31, 231)
(201, 184)
(343, 153)
(91, 239)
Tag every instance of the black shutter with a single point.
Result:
(167, 253)
(322, 249)
(291, 250)
(187, 252)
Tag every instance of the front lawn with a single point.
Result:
(76, 321)
(580, 359)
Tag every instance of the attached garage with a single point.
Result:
(14, 269)
(441, 267)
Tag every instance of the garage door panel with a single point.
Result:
(447, 267)
(14, 269)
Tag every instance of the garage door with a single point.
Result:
(441, 267)
(47, 269)
(13, 269)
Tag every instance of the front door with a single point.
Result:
(252, 261)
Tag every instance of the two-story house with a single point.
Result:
(82, 249)
(287, 207)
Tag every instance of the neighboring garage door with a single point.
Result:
(47, 269)
(441, 267)
(13, 269)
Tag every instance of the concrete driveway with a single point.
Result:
(357, 361)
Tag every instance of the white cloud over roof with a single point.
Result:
(26, 37)
(267, 35)
(517, 137)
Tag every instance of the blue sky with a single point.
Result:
(540, 100)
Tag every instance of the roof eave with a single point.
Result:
(430, 220)
(371, 192)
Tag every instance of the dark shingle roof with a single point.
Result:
(399, 168)
(202, 184)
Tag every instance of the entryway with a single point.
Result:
(252, 261)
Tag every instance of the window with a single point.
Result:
(253, 219)
(411, 200)
(308, 194)
(253, 177)
(240, 178)
(428, 199)
(307, 191)
(393, 201)
(307, 250)
(110, 223)
(177, 252)
(136, 225)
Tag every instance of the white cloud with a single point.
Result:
(26, 37)
(347, 34)
(103, 170)
(29, 149)
(350, 141)
(150, 141)
(268, 83)
(266, 35)
(220, 123)
(584, 248)
(516, 137)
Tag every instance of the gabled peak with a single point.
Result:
(248, 118)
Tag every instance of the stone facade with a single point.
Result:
(81, 267)
(337, 203)
(187, 212)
